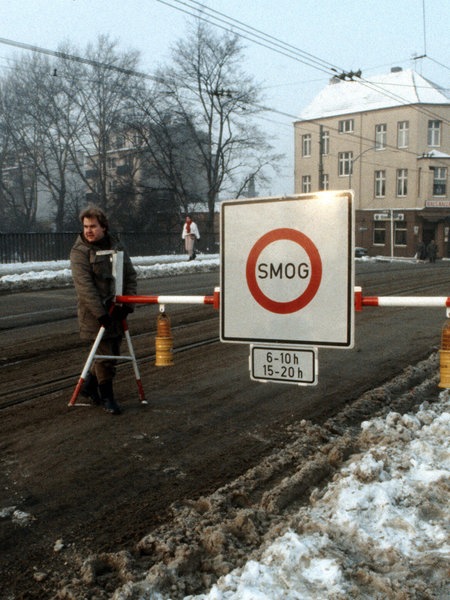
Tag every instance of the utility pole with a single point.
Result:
(321, 158)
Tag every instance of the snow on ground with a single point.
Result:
(380, 528)
(44, 275)
(48, 274)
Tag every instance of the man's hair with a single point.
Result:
(94, 212)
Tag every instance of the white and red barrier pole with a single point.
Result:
(213, 300)
(398, 301)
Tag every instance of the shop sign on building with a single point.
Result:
(388, 216)
(437, 203)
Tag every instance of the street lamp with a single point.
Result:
(351, 166)
(353, 160)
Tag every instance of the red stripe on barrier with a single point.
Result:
(137, 299)
(370, 301)
(358, 299)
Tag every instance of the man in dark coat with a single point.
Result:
(91, 266)
(432, 251)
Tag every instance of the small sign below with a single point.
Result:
(284, 364)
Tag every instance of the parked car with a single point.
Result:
(360, 252)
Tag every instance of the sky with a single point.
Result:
(379, 528)
(344, 34)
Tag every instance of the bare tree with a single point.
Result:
(18, 157)
(64, 118)
(67, 122)
(109, 83)
(216, 101)
(169, 153)
(42, 115)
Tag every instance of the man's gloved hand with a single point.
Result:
(120, 312)
(105, 320)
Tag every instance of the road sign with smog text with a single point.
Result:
(287, 270)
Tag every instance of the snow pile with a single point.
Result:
(379, 530)
(52, 274)
(36, 279)
(17, 516)
(56, 273)
(166, 268)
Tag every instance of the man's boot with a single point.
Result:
(89, 389)
(107, 396)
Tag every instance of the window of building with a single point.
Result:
(400, 233)
(380, 184)
(403, 134)
(434, 133)
(112, 185)
(306, 144)
(325, 142)
(346, 126)
(325, 181)
(379, 233)
(345, 163)
(111, 162)
(120, 141)
(402, 182)
(440, 181)
(380, 136)
(306, 184)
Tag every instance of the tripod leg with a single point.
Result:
(135, 365)
(87, 366)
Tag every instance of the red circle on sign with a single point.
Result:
(305, 298)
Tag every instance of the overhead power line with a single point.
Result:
(80, 59)
(439, 63)
(233, 25)
(223, 21)
(218, 19)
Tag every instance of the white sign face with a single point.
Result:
(287, 270)
(284, 364)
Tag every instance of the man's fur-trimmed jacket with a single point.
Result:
(94, 283)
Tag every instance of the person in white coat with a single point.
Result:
(190, 234)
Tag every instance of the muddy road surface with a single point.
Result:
(89, 501)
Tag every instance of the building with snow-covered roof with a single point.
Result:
(388, 139)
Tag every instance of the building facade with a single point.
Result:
(130, 176)
(388, 139)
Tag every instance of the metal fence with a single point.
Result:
(27, 247)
